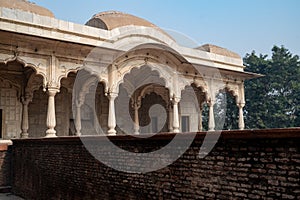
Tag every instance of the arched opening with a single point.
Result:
(15, 96)
(101, 102)
(38, 113)
(142, 103)
(152, 114)
(226, 108)
(63, 106)
(191, 109)
(88, 105)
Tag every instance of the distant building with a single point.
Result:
(40, 57)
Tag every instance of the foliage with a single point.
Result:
(273, 101)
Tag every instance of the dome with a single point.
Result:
(113, 19)
(27, 6)
(218, 50)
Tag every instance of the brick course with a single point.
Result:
(5, 165)
(247, 164)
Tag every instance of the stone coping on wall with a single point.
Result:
(228, 134)
(4, 144)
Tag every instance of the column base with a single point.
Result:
(78, 134)
(136, 132)
(50, 133)
(176, 131)
(24, 135)
(111, 132)
(50, 136)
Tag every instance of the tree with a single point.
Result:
(273, 101)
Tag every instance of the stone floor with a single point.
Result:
(9, 196)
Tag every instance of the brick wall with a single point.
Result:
(243, 165)
(5, 165)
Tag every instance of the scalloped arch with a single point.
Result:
(92, 73)
(31, 84)
(144, 93)
(26, 64)
(163, 74)
(232, 90)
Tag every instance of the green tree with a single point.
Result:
(273, 101)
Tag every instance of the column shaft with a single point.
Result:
(170, 119)
(136, 119)
(25, 123)
(241, 117)
(112, 115)
(175, 115)
(211, 120)
(51, 118)
(78, 120)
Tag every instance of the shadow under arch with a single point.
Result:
(87, 95)
(19, 81)
(169, 63)
(132, 93)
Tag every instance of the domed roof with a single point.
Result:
(218, 50)
(113, 19)
(26, 6)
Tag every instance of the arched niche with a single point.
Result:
(191, 108)
(226, 110)
(142, 92)
(18, 81)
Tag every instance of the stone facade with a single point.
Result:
(261, 164)
(41, 57)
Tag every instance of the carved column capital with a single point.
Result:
(241, 105)
(136, 103)
(211, 102)
(112, 95)
(175, 100)
(26, 99)
(52, 91)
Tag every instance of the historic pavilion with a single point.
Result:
(121, 58)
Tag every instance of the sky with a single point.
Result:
(238, 25)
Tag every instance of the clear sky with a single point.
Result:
(238, 25)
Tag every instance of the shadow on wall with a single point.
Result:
(5, 167)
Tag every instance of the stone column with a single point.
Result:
(175, 115)
(211, 120)
(241, 116)
(136, 107)
(25, 124)
(170, 118)
(200, 126)
(112, 114)
(79, 103)
(51, 119)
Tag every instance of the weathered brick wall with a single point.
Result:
(5, 165)
(242, 165)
